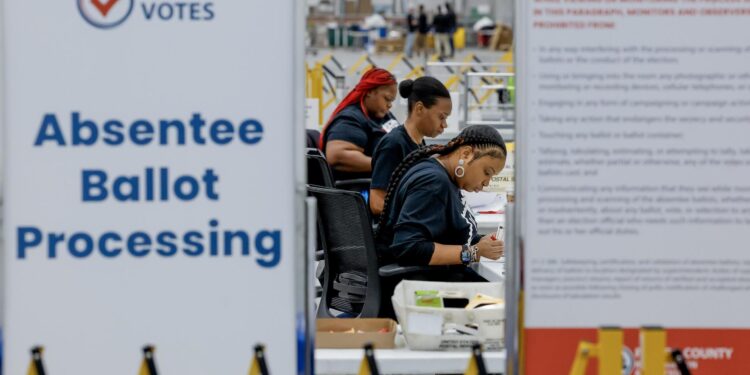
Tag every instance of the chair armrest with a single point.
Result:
(392, 270)
(356, 182)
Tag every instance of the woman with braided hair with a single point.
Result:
(426, 220)
(357, 125)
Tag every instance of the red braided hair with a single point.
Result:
(371, 80)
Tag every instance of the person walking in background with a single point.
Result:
(441, 24)
(422, 29)
(412, 26)
(452, 26)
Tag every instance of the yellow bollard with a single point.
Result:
(610, 350)
(653, 346)
(459, 38)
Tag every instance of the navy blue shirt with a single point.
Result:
(351, 125)
(391, 151)
(422, 26)
(411, 23)
(427, 208)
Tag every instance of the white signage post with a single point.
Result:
(634, 120)
(153, 185)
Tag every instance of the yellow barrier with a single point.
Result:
(395, 62)
(418, 71)
(360, 61)
(415, 73)
(326, 59)
(314, 87)
(584, 351)
(608, 350)
(507, 59)
(653, 346)
(329, 102)
(456, 78)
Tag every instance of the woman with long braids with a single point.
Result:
(357, 125)
(426, 220)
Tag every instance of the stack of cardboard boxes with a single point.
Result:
(358, 7)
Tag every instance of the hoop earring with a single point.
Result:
(460, 171)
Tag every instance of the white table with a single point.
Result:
(487, 223)
(403, 361)
(492, 270)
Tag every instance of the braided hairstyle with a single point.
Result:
(485, 140)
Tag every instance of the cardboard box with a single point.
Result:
(502, 40)
(331, 333)
(358, 7)
(389, 45)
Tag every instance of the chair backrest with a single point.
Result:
(312, 137)
(318, 171)
(349, 249)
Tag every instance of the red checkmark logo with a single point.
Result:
(104, 8)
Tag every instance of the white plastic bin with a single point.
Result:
(430, 328)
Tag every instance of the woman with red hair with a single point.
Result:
(357, 124)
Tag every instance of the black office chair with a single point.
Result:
(350, 280)
(318, 171)
(312, 137)
(319, 174)
(353, 281)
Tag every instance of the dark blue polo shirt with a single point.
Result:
(351, 125)
(427, 208)
(391, 150)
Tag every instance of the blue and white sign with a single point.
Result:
(152, 184)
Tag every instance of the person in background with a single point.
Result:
(411, 32)
(425, 219)
(423, 28)
(452, 26)
(429, 105)
(441, 25)
(356, 125)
